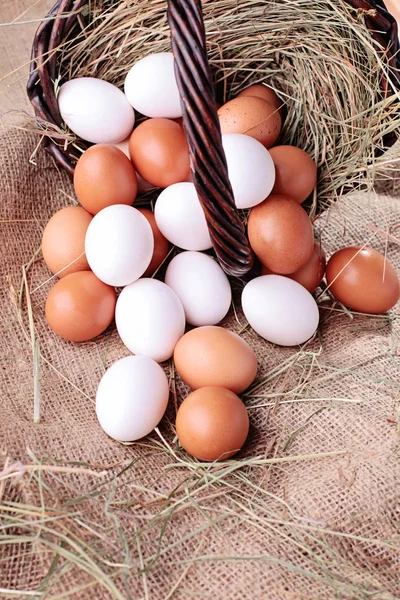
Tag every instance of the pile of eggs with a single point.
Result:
(106, 243)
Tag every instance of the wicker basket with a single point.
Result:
(199, 114)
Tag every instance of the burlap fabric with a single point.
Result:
(320, 528)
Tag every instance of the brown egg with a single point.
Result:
(63, 241)
(259, 90)
(212, 423)
(160, 243)
(281, 234)
(159, 152)
(295, 172)
(311, 275)
(80, 307)
(393, 7)
(363, 280)
(103, 176)
(252, 116)
(215, 356)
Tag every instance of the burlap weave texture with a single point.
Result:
(322, 528)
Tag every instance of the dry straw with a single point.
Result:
(74, 521)
(320, 58)
(58, 532)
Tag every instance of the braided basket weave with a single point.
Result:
(198, 102)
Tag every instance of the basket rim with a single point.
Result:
(40, 88)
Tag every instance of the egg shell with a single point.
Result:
(104, 176)
(181, 219)
(251, 169)
(202, 287)
(362, 279)
(160, 243)
(311, 275)
(295, 172)
(124, 146)
(251, 116)
(280, 310)
(132, 398)
(159, 152)
(142, 185)
(150, 319)
(106, 120)
(212, 424)
(63, 241)
(394, 9)
(80, 306)
(215, 356)
(281, 234)
(259, 90)
(119, 244)
(151, 87)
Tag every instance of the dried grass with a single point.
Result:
(299, 50)
(320, 58)
(58, 529)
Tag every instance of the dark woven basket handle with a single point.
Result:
(58, 24)
(199, 112)
(200, 119)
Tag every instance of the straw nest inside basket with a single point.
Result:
(97, 526)
(318, 56)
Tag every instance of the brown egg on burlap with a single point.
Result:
(362, 279)
(212, 423)
(213, 355)
(63, 241)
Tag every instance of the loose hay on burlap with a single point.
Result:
(143, 521)
(323, 527)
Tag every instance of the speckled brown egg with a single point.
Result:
(159, 152)
(295, 172)
(281, 234)
(63, 241)
(212, 423)
(362, 279)
(104, 176)
(259, 90)
(215, 356)
(311, 275)
(160, 243)
(251, 116)
(80, 306)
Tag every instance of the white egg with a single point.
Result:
(151, 87)
(251, 169)
(180, 217)
(280, 310)
(202, 287)
(132, 398)
(95, 110)
(150, 319)
(124, 146)
(119, 244)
